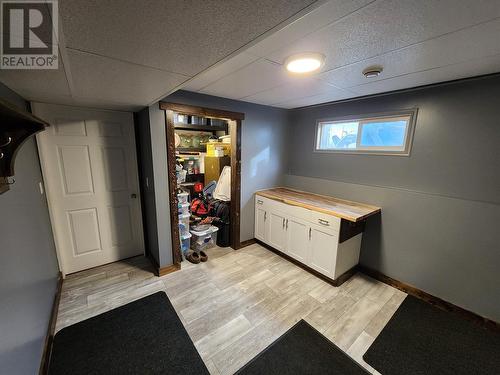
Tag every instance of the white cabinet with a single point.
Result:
(309, 237)
(298, 237)
(323, 251)
(260, 220)
(277, 231)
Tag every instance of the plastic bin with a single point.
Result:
(183, 208)
(204, 240)
(185, 242)
(181, 176)
(183, 197)
(184, 224)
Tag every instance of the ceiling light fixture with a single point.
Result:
(304, 63)
(372, 71)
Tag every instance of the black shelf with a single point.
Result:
(205, 128)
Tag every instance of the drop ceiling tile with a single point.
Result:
(323, 15)
(255, 77)
(387, 25)
(333, 95)
(299, 88)
(101, 78)
(36, 84)
(176, 35)
(218, 71)
(446, 73)
(467, 44)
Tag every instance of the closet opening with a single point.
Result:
(204, 179)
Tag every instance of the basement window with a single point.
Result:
(387, 134)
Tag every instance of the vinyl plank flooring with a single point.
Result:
(359, 347)
(350, 325)
(223, 336)
(239, 302)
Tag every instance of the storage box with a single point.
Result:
(183, 208)
(185, 242)
(183, 197)
(212, 148)
(184, 224)
(204, 240)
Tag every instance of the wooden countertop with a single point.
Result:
(344, 209)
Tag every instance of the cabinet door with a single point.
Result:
(277, 233)
(260, 223)
(298, 244)
(323, 251)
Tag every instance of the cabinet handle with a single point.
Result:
(310, 234)
(286, 224)
(323, 222)
(259, 201)
(283, 223)
(265, 215)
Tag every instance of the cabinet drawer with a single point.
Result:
(262, 202)
(328, 222)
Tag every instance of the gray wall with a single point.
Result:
(440, 207)
(28, 263)
(263, 157)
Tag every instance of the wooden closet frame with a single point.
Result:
(235, 119)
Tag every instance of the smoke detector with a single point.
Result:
(372, 71)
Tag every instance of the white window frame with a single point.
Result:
(410, 115)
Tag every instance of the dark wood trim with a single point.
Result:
(335, 282)
(169, 269)
(162, 271)
(429, 298)
(235, 132)
(172, 183)
(49, 339)
(246, 243)
(200, 111)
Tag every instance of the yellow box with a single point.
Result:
(212, 146)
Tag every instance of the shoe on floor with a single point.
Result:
(193, 257)
(203, 256)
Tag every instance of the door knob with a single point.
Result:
(133, 195)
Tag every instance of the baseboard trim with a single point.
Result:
(49, 339)
(162, 271)
(429, 298)
(246, 243)
(335, 282)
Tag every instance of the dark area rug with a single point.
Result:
(142, 337)
(422, 339)
(302, 350)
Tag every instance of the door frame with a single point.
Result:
(234, 119)
(49, 194)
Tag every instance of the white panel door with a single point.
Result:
(277, 233)
(297, 231)
(323, 250)
(89, 165)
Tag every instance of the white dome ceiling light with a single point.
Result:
(304, 63)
